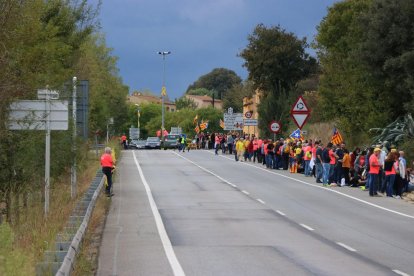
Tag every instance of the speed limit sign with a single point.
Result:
(275, 127)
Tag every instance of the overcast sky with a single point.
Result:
(201, 35)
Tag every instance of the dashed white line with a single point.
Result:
(245, 192)
(400, 272)
(328, 189)
(347, 247)
(307, 227)
(261, 201)
(281, 213)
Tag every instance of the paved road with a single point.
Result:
(195, 213)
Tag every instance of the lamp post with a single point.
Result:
(138, 115)
(163, 93)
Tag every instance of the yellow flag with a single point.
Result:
(164, 91)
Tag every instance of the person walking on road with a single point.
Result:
(124, 141)
(107, 164)
(240, 149)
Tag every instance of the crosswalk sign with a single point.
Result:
(296, 134)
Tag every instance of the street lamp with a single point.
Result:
(163, 92)
(138, 114)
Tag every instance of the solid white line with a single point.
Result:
(261, 201)
(280, 213)
(328, 189)
(346, 247)
(400, 272)
(245, 192)
(166, 243)
(235, 186)
(307, 227)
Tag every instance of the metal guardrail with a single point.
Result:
(61, 260)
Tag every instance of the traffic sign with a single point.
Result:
(248, 114)
(250, 122)
(300, 119)
(275, 127)
(300, 106)
(300, 112)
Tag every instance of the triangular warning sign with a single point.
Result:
(300, 106)
(300, 119)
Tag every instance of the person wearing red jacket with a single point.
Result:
(108, 165)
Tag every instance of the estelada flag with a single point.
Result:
(336, 137)
(221, 123)
(197, 129)
(203, 125)
(195, 119)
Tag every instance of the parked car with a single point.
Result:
(153, 143)
(137, 144)
(171, 141)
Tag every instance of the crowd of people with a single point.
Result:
(380, 169)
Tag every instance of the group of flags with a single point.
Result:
(200, 126)
(335, 139)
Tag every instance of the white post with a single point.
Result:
(47, 153)
(73, 169)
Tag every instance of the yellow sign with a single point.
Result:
(163, 91)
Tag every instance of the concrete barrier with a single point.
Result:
(61, 259)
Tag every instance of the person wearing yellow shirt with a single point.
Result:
(240, 149)
(346, 166)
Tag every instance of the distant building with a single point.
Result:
(250, 105)
(139, 98)
(205, 101)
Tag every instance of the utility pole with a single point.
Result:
(73, 169)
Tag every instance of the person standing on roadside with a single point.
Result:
(326, 160)
(230, 142)
(124, 141)
(107, 164)
(240, 149)
(318, 162)
(374, 170)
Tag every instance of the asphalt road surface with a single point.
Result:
(195, 213)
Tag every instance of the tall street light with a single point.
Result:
(138, 115)
(163, 92)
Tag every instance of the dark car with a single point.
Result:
(153, 143)
(137, 144)
(171, 141)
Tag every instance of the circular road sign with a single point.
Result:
(275, 127)
(248, 114)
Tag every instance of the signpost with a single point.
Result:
(300, 112)
(275, 127)
(233, 121)
(45, 114)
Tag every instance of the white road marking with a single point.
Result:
(166, 243)
(120, 229)
(328, 189)
(400, 272)
(261, 201)
(346, 246)
(245, 192)
(281, 213)
(307, 227)
(234, 186)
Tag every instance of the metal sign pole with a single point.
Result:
(73, 169)
(47, 155)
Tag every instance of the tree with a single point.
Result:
(202, 92)
(365, 49)
(218, 80)
(234, 96)
(185, 102)
(276, 61)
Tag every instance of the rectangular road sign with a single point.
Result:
(250, 122)
(25, 115)
(233, 121)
